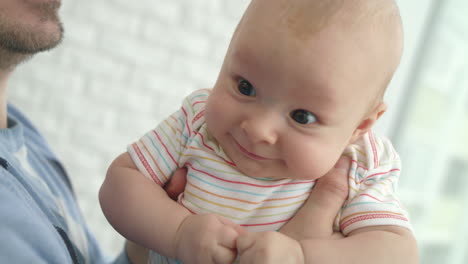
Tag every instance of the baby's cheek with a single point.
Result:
(315, 162)
(213, 111)
(218, 106)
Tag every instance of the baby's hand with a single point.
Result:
(207, 239)
(268, 247)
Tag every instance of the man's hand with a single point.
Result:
(315, 218)
(136, 253)
(313, 221)
(207, 239)
(176, 184)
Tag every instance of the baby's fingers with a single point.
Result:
(225, 251)
(268, 247)
(233, 225)
(224, 255)
(227, 237)
(245, 242)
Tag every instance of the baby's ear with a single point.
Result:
(369, 121)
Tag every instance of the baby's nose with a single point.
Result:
(261, 129)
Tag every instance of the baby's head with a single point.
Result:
(301, 80)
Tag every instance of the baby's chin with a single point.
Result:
(307, 176)
(263, 174)
(259, 173)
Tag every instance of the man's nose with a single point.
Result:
(261, 127)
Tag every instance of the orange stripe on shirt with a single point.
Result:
(174, 131)
(246, 183)
(241, 209)
(245, 201)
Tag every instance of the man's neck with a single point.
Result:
(4, 77)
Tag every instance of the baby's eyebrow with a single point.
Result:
(244, 60)
(242, 54)
(319, 99)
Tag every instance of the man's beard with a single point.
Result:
(17, 43)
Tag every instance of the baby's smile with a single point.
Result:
(250, 154)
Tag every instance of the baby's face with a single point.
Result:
(285, 108)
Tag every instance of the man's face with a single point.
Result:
(282, 108)
(29, 26)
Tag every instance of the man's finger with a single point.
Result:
(328, 196)
(136, 253)
(177, 183)
(332, 189)
(316, 217)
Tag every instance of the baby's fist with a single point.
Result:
(268, 247)
(207, 239)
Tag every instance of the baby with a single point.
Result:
(302, 84)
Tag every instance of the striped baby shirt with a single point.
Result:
(214, 185)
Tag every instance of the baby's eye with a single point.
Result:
(245, 88)
(303, 117)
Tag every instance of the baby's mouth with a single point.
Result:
(250, 154)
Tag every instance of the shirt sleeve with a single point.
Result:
(373, 180)
(160, 151)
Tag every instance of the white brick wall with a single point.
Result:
(123, 66)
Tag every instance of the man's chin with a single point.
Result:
(30, 43)
(18, 47)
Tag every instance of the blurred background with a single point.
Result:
(125, 65)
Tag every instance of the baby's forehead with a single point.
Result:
(373, 25)
(304, 18)
(362, 33)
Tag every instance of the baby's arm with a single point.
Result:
(142, 212)
(137, 208)
(138, 254)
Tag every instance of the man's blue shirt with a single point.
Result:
(40, 221)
